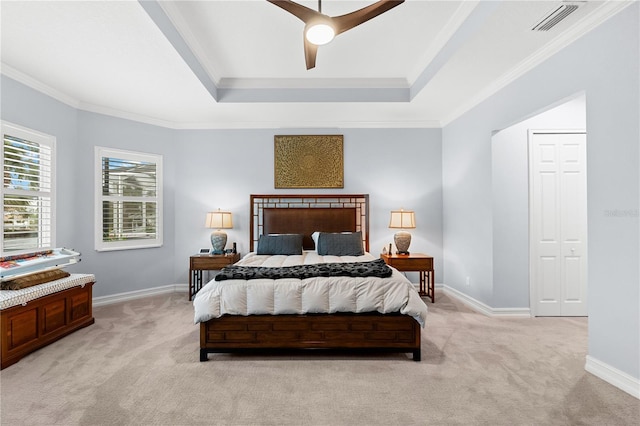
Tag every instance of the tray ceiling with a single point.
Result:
(240, 64)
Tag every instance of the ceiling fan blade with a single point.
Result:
(298, 10)
(340, 24)
(310, 53)
(345, 22)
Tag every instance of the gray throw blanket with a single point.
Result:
(373, 268)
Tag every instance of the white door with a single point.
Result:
(558, 222)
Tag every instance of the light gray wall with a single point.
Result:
(510, 180)
(221, 168)
(123, 270)
(209, 169)
(29, 108)
(77, 133)
(603, 64)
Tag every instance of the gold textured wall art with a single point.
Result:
(309, 161)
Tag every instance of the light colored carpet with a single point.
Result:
(139, 365)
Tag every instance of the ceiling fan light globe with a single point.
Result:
(319, 34)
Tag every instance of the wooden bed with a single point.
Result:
(368, 332)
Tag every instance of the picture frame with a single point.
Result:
(308, 161)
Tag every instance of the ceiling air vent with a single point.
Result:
(553, 18)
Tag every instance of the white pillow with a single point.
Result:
(314, 237)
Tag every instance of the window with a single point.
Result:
(28, 201)
(128, 200)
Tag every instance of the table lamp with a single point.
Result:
(219, 220)
(402, 219)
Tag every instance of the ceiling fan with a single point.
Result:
(320, 29)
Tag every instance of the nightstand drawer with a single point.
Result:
(411, 264)
(417, 262)
(207, 262)
(212, 262)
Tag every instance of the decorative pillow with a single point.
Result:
(286, 244)
(340, 244)
(34, 279)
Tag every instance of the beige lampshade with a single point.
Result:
(219, 220)
(402, 219)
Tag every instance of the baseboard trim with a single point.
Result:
(139, 294)
(469, 301)
(613, 376)
(483, 308)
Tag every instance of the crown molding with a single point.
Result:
(272, 124)
(126, 115)
(245, 125)
(249, 124)
(311, 95)
(316, 83)
(68, 100)
(258, 124)
(31, 82)
(591, 21)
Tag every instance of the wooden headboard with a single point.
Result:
(305, 214)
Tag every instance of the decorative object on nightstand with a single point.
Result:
(219, 220)
(402, 219)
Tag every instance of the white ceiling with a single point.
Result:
(240, 64)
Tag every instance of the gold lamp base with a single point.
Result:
(402, 239)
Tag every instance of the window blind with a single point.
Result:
(27, 193)
(129, 199)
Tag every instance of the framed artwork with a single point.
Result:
(309, 161)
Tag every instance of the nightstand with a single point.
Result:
(415, 262)
(207, 262)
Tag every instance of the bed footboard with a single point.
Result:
(370, 332)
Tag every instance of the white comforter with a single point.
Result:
(310, 295)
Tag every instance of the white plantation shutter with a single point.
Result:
(128, 200)
(27, 190)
